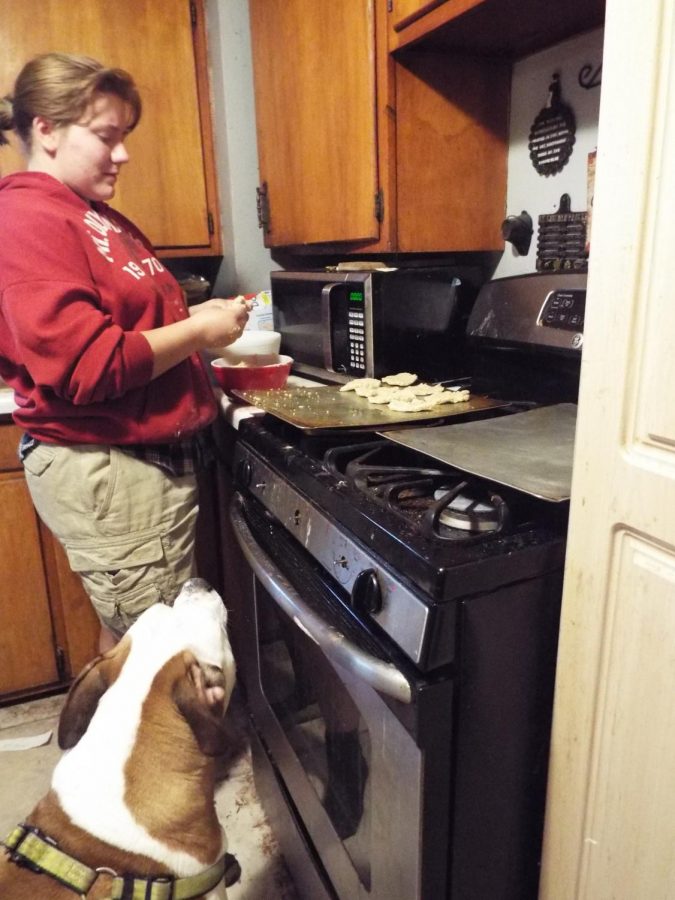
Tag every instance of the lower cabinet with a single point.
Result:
(48, 630)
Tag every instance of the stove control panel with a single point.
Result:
(542, 311)
(564, 309)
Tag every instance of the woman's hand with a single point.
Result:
(221, 321)
(214, 323)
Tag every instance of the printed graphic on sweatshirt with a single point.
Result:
(97, 228)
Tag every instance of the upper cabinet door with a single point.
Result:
(403, 12)
(314, 70)
(168, 187)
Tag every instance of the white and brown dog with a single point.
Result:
(130, 813)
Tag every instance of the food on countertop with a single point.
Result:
(384, 394)
(401, 379)
(452, 397)
(401, 394)
(364, 382)
(364, 390)
(420, 390)
(414, 405)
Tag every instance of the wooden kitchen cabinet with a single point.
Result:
(383, 124)
(504, 28)
(48, 629)
(359, 151)
(403, 13)
(169, 187)
(314, 72)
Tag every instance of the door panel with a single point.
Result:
(315, 116)
(163, 188)
(27, 654)
(610, 830)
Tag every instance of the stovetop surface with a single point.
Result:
(446, 532)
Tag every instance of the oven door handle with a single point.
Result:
(381, 676)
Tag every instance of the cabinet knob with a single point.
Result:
(518, 231)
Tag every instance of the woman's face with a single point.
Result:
(87, 155)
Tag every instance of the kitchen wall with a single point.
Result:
(246, 263)
(527, 190)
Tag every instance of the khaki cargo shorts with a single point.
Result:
(128, 527)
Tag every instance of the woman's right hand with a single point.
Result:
(220, 322)
(214, 323)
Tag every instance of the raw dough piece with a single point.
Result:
(452, 397)
(351, 385)
(365, 390)
(402, 379)
(420, 390)
(415, 405)
(384, 394)
(426, 390)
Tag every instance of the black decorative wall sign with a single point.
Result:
(561, 241)
(552, 134)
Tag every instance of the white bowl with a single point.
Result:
(263, 345)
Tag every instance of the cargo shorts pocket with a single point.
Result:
(39, 459)
(123, 577)
(115, 554)
(120, 614)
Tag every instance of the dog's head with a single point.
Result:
(179, 654)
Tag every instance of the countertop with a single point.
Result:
(232, 412)
(7, 404)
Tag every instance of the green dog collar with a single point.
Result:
(30, 848)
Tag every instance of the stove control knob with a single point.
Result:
(244, 473)
(366, 592)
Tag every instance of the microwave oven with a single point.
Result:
(342, 325)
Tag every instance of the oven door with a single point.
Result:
(359, 742)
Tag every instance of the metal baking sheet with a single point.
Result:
(530, 451)
(325, 408)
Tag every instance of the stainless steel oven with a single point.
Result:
(349, 728)
(398, 658)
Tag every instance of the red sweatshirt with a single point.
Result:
(77, 285)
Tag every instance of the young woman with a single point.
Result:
(99, 346)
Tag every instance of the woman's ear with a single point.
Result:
(45, 134)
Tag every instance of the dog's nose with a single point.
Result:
(196, 586)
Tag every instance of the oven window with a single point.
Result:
(322, 723)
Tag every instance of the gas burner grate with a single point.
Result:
(441, 504)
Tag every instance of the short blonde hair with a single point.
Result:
(60, 87)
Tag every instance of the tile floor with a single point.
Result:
(25, 776)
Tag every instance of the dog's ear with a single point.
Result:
(202, 696)
(85, 692)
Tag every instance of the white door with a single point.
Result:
(610, 829)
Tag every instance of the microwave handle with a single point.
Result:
(381, 676)
(327, 323)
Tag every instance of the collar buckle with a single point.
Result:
(159, 887)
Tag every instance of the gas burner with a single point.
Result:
(469, 508)
(438, 503)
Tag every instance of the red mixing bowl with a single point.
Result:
(252, 378)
